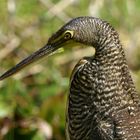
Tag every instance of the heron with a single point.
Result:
(103, 103)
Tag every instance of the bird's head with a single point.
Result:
(79, 30)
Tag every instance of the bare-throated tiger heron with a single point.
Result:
(102, 102)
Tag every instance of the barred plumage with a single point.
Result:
(102, 97)
(103, 103)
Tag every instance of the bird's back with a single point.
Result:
(97, 108)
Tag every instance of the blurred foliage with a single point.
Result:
(33, 102)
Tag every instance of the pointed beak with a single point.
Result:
(45, 51)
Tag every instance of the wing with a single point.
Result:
(81, 123)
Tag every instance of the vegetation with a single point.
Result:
(33, 102)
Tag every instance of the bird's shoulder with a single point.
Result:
(87, 66)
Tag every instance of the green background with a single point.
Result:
(33, 102)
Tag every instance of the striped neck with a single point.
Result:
(109, 50)
(110, 54)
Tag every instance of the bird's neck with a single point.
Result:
(110, 52)
(112, 59)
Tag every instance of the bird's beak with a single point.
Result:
(45, 51)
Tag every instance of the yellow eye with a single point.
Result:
(68, 35)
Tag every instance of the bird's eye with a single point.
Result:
(67, 36)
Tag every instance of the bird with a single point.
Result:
(103, 103)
